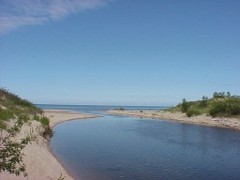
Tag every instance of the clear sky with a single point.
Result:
(119, 52)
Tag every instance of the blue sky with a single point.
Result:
(119, 52)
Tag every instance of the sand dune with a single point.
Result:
(40, 162)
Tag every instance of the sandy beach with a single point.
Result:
(233, 123)
(40, 162)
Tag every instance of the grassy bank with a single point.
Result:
(15, 113)
(13, 107)
(220, 105)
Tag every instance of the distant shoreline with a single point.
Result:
(231, 123)
(40, 162)
(60, 116)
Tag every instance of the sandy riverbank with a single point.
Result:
(40, 162)
(233, 123)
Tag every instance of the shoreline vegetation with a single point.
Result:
(24, 139)
(222, 110)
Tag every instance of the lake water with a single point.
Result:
(118, 147)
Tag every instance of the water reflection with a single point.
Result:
(111, 147)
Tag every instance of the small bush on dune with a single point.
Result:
(193, 112)
(204, 102)
(11, 155)
(230, 107)
(36, 118)
(5, 114)
(47, 133)
(235, 109)
(218, 109)
(184, 106)
(24, 117)
(44, 121)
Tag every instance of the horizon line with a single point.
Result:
(100, 105)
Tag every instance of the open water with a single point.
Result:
(120, 147)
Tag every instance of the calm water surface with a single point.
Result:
(114, 147)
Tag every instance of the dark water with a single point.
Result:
(115, 147)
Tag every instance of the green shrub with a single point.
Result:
(11, 155)
(36, 118)
(222, 104)
(203, 103)
(47, 133)
(184, 106)
(230, 107)
(5, 114)
(193, 112)
(234, 109)
(24, 117)
(44, 121)
(218, 109)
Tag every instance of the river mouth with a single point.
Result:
(116, 147)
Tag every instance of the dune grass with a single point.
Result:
(220, 105)
(14, 107)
